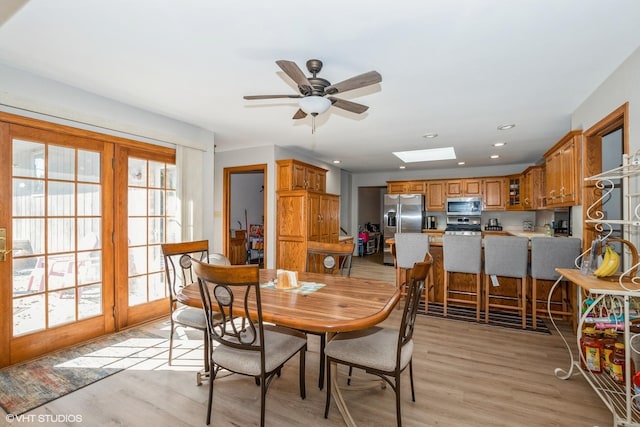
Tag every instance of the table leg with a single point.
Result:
(337, 396)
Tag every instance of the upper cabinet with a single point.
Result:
(464, 187)
(493, 198)
(515, 187)
(296, 175)
(562, 175)
(405, 187)
(436, 195)
(532, 188)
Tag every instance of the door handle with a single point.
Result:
(3, 244)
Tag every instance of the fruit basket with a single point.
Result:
(609, 269)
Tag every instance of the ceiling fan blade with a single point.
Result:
(292, 70)
(362, 80)
(299, 115)
(354, 107)
(270, 96)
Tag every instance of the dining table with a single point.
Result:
(323, 303)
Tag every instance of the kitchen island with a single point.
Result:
(466, 282)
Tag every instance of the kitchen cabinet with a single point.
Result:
(304, 216)
(532, 188)
(471, 187)
(436, 195)
(514, 192)
(493, 198)
(297, 175)
(562, 176)
(405, 187)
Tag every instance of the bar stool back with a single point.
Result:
(506, 256)
(547, 254)
(462, 254)
(411, 248)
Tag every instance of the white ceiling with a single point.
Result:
(459, 68)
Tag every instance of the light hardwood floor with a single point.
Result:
(466, 374)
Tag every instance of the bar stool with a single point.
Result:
(547, 254)
(409, 249)
(462, 254)
(506, 257)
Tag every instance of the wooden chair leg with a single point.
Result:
(478, 296)
(446, 294)
(486, 298)
(534, 302)
(523, 302)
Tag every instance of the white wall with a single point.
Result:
(244, 157)
(28, 95)
(246, 196)
(622, 86)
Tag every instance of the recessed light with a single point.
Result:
(499, 144)
(495, 156)
(427, 155)
(506, 126)
(336, 162)
(430, 135)
(460, 163)
(402, 167)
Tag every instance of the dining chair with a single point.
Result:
(244, 343)
(219, 259)
(409, 249)
(328, 258)
(547, 254)
(383, 352)
(177, 264)
(462, 254)
(505, 256)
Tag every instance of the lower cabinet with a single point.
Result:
(304, 216)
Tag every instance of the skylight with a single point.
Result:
(428, 155)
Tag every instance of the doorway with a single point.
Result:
(244, 209)
(604, 144)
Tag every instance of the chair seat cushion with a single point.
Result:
(189, 316)
(280, 345)
(373, 347)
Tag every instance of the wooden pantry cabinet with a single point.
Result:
(304, 216)
(562, 171)
(297, 175)
(304, 212)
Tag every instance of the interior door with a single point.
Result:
(55, 240)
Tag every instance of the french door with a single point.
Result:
(82, 217)
(55, 240)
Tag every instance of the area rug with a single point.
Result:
(31, 384)
(496, 318)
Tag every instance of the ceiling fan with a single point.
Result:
(316, 93)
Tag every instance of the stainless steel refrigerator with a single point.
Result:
(402, 214)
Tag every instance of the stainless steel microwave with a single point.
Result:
(464, 206)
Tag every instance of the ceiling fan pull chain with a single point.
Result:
(313, 124)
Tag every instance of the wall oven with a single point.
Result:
(464, 206)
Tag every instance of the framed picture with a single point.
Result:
(256, 230)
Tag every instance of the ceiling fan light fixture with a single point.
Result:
(314, 104)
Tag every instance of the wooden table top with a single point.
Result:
(344, 304)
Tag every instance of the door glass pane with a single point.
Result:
(61, 235)
(61, 163)
(61, 199)
(89, 200)
(28, 159)
(88, 166)
(28, 314)
(62, 307)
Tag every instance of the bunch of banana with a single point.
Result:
(610, 263)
